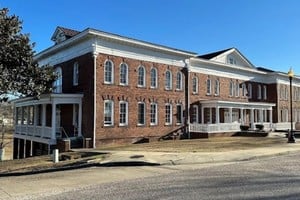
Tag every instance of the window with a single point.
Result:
(208, 86)
(168, 80)
(123, 106)
(75, 73)
(265, 92)
(231, 88)
(259, 92)
(141, 77)
(249, 90)
(153, 78)
(153, 114)
(231, 61)
(217, 87)
(244, 90)
(141, 113)
(237, 89)
(179, 114)
(123, 74)
(108, 72)
(194, 115)
(168, 114)
(195, 85)
(179, 81)
(108, 113)
(57, 84)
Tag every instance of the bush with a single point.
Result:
(259, 127)
(244, 127)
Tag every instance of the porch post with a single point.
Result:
(261, 115)
(217, 115)
(79, 119)
(271, 118)
(242, 116)
(53, 130)
(230, 115)
(252, 118)
(210, 115)
(202, 115)
(35, 115)
(43, 119)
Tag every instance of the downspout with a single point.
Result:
(95, 92)
(187, 98)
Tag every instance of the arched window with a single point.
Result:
(168, 80)
(208, 86)
(231, 88)
(179, 81)
(153, 78)
(123, 74)
(141, 76)
(108, 113)
(75, 73)
(259, 92)
(249, 90)
(217, 87)
(195, 85)
(108, 72)
(57, 84)
(244, 90)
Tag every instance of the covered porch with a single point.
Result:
(46, 119)
(215, 116)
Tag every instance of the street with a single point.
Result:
(268, 178)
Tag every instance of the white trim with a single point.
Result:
(156, 114)
(126, 75)
(111, 121)
(170, 116)
(112, 72)
(126, 113)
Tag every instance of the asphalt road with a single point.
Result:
(270, 178)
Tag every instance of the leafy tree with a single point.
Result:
(19, 74)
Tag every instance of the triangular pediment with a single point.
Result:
(230, 56)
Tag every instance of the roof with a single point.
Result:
(264, 69)
(68, 32)
(213, 54)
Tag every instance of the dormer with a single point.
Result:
(61, 34)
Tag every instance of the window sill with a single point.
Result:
(168, 124)
(140, 125)
(194, 93)
(108, 126)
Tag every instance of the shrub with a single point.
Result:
(259, 127)
(244, 127)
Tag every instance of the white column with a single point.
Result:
(53, 122)
(202, 115)
(252, 118)
(210, 115)
(31, 148)
(79, 118)
(242, 116)
(43, 119)
(217, 115)
(35, 114)
(261, 116)
(230, 115)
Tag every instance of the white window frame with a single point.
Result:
(153, 114)
(237, 89)
(168, 114)
(153, 78)
(75, 74)
(244, 90)
(231, 89)
(121, 113)
(108, 73)
(265, 92)
(195, 114)
(179, 81)
(141, 76)
(195, 85)
(249, 90)
(259, 91)
(111, 121)
(168, 80)
(57, 84)
(143, 115)
(208, 86)
(123, 76)
(217, 87)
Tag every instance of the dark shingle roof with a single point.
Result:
(264, 69)
(68, 32)
(212, 55)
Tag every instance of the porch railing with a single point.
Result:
(283, 125)
(35, 131)
(212, 128)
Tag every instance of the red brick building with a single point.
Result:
(114, 89)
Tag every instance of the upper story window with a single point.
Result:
(109, 72)
(141, 76)
(168, 80)
(259, 92)
(57, 84)
(231, 88)
(249, 90)
(244, 90)
(195, 85)
(153, 77)
(123, 74)
(231, 61)
(179, 81)
(208, 86)
(237, 89)
(265, 92)
(217, 87)
(75, 73)
(108, 113)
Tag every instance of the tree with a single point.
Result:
(20, 75)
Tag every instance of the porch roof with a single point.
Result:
(52, 98)
(234, 104)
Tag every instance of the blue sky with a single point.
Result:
(267, 32)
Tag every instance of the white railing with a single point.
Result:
(212, 128)
(267, 125)
(36, 131)
(283, 125)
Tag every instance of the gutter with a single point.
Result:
(95, 92)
